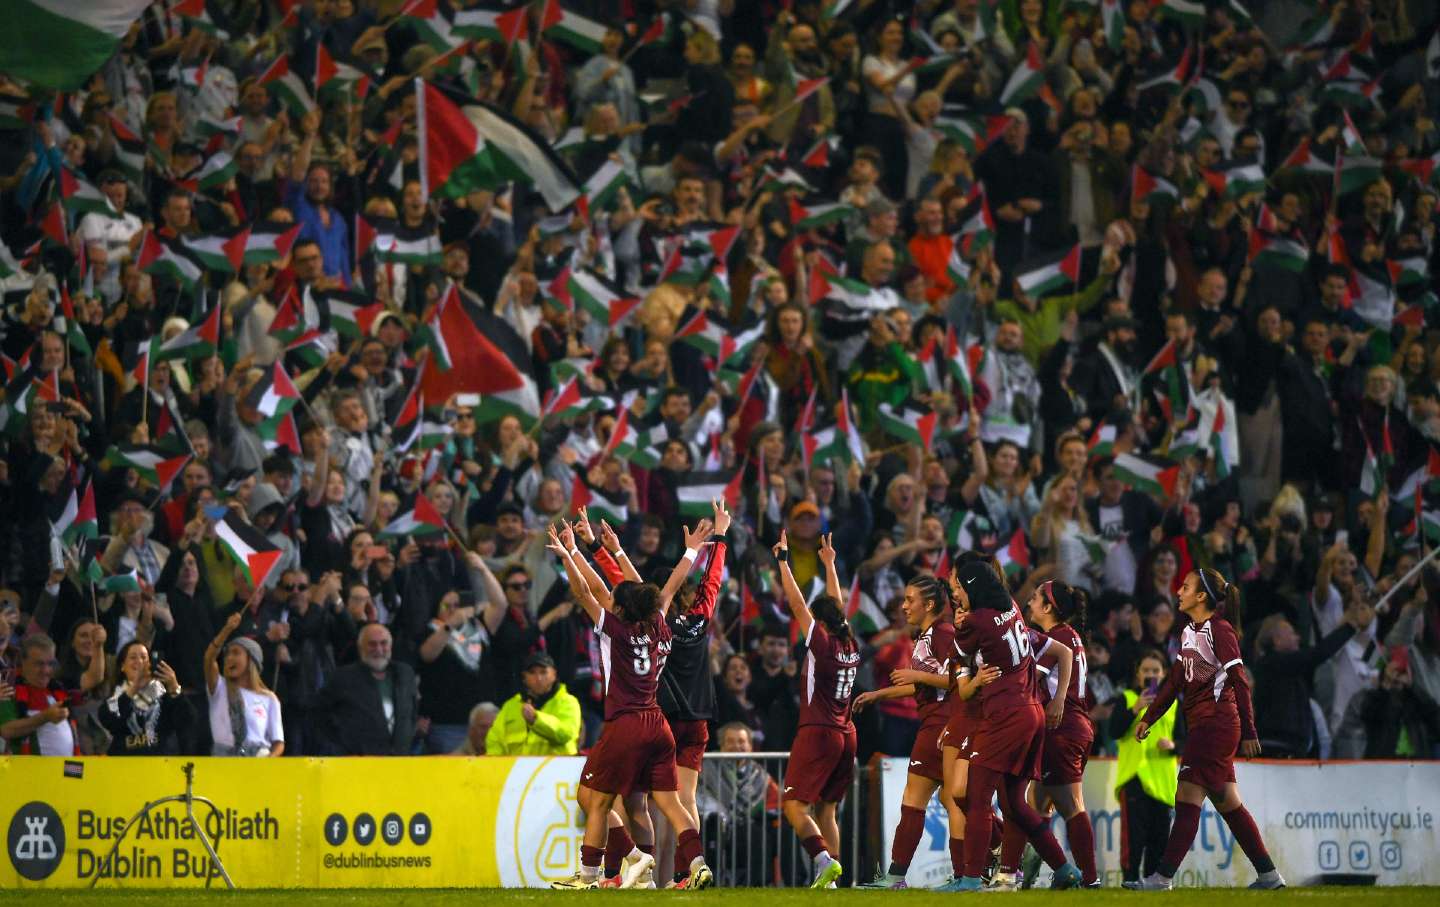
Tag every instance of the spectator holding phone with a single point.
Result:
(1145, 775)
(146, 707)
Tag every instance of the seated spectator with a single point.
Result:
(482, 718)
(543, 719)
(369, 708)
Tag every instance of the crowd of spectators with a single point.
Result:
(1236, 366)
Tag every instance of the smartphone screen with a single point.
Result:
(1151, 686)
(376, 551)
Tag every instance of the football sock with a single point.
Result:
(907, 838)
(1082, 844)
(590, 860)
(814, 846)
(1012, 844)
(687, 847)
(978, 818)
(957, 857)
(617, 847)
(1182, 835)
(1242, 824)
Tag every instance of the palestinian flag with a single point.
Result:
(636, 445)
(819, 214)
(130, 151)
(1221, 432)
(1054, 272)
(1373, 301)
(78, 520)
(14, 114)
(1112, 19)
(1305, 159)
(492, 25)
(158, 257)
(1189, 13)
(153, 464)
(1238, 180)
(1407, 271)
(81, 197)
(352, 314)
(218, 252)
(1102, 441)
(338, 78)
(395, 243)
(965, 530)
(422, 519)
(474, 146)
(598, 505)
(195, 342)
(249, 547)
(1421, 168)
(702, 332)
(1146, 186)
(62, 43)
(268, 242)
(1171, 79)
(603, 187)
(978, 228)
(736, 344)
(910, 421)
(577, 31)
(208, 127)
(1014, 556)
(119, 583)
(274, 394)
(1352, 93)
(1357, 171)
(430, 24)
(280, 432)
(696, 489)
(477, 365)
(288, 87)
(66, 326)
(1025, 81)
(957, 362)
(1150, 474)
(1280, 251)
(606, 302)
(1165, 358)
(218, 169)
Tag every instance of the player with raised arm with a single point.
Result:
(822, 758)
(1058, 610)
(1210, 679)
(687, 690)
(636, 750)
(927, 610)
(1004, 754)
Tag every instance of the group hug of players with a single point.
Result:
(1001, 698)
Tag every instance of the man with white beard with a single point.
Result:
(369, 708)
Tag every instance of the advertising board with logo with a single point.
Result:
(1375, 819)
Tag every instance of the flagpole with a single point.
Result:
(94, 607)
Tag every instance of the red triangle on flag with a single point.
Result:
(425, 512)
(513, 25)
(325, 68)
(167, 470)
(926, 426)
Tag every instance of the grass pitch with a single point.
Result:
(734, 897)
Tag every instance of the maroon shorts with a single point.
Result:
(925, 758)
(822, 764)
(959, 730)
(1067, 749)
(1012, 742)
(691, 738)
(636, 752)
(1209, 756)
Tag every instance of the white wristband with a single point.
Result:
(692, 554)
(575, 554)
(619, 553)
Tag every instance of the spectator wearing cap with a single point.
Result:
(369, 708)
(131, 547)
(543, 719)
(110, 237)
(244, 714)
(1107, 377)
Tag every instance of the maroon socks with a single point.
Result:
(1082, 844)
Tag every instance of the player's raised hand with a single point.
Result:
(566, 535)
(608, 538)
(782, 545)
(827, 550)
(582, 527)
(694, 539)
(554, 543)
(722, 516)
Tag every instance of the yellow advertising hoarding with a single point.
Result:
(292, 823)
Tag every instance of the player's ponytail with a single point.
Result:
(827, 612)
(1071, 603)
(1223, 597)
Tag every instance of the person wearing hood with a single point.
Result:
(267, 510)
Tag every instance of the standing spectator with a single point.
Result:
(36, 720)
(244, 715)
(146, 707)
(541, 720)
(369, 707)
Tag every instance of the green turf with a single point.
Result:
(775, 897)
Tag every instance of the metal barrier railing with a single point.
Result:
(747, 840)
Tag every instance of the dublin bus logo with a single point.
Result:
(36, 841)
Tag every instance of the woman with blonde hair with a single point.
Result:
(244, 714)
(1059, 528)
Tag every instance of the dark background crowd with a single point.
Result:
(1236, 365)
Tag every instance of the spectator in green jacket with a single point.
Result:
(1041, 318)
(543, 719)
(882, 372)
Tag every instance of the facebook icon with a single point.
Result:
(336, 829)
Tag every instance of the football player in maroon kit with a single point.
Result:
(822, 758)
(636, 751)
(927, 610)
(1058, 610)
(1210, 679)
(1004, 754)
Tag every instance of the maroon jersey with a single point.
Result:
(931, 653)
(631, 656)
(829, 682)
(1004, 641)
(1075, 698)
(1209, 677)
